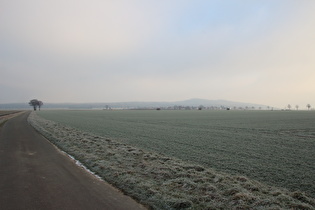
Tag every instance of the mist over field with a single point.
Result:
(190, 104)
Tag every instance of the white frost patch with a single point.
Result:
(40, 123)
(82, 166)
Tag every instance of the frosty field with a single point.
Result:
(274, 147)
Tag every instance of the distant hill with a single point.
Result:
(225, 103)
(195, 102)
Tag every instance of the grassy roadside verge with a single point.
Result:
(163, 182)
(2, 122)
(6, 115)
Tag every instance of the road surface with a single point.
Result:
(35, 175)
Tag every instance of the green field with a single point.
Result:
(274, 147)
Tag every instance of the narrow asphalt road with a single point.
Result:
(35, 175)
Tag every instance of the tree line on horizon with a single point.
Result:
(38, 104)
(308, 106)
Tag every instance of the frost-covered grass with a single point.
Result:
(164, 182)
(273, 147)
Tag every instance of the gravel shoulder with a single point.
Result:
(36, 175)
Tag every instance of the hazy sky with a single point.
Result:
(158, 50)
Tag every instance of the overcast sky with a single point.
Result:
(158, 50)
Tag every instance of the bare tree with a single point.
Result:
(201, 107)
(289, 106)
(33, 103)
(36, 103)
(297, 107)
(308, 106)
(40, 103)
